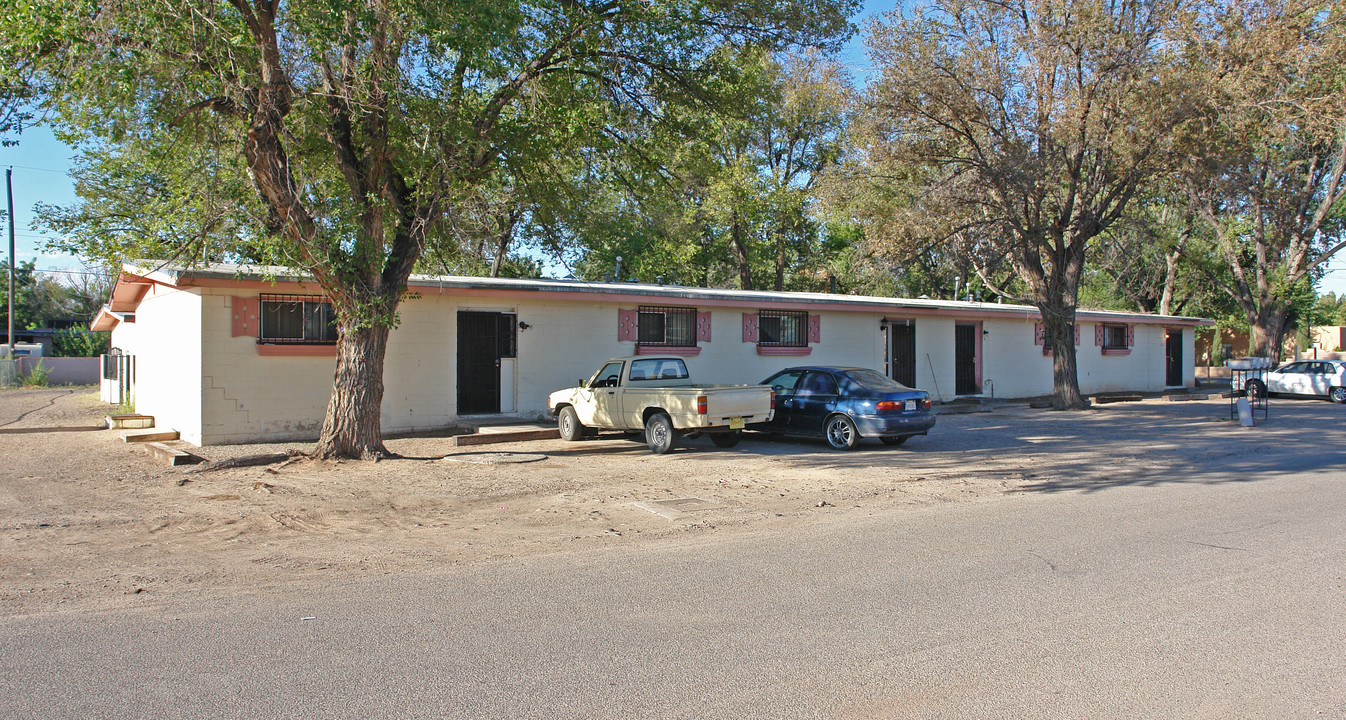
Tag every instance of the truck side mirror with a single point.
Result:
(580, 382)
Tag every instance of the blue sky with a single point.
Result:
(40, 164)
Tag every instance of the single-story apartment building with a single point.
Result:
(231, 354)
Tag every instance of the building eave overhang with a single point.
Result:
(647, 294)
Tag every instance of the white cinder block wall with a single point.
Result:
(195, 377)
(167, 340)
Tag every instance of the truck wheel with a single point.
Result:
(569, 424)
(841, 433)
(659, 433)
(726, 440)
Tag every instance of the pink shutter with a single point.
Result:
(815, 328)
(245, 316)
(1098, 334)
(750, 327)
(702, 327)
(1077, 335)
(1040, 334)
(1130, 336)
(628, 323)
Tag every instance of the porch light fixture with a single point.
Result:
(523, 325)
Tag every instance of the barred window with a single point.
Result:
(306, 319)
(784, 328)
(666, 326)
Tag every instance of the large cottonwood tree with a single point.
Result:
(362, 125)
(1024, 127)
(1265, 163)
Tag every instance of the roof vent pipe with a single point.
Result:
(617, 274)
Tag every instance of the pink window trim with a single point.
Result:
(1116, 351)
(667, 350)
(245, 316)
(750, 327)
(627, 324)
(702, 326)
(295, 350)
(777, 351)
(1040, 337)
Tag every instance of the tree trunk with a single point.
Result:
(779, 284)
(351, 427)
(1267, 330)
(741, 246)
(1060, 330)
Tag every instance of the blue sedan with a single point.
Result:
(845, 404)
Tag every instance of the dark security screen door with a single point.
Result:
(904, 353)
(479, 350)
(965, 359)
(1173, 358)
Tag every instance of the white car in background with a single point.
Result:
(1303, 377)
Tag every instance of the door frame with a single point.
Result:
(506, 366)
(1170, 358)
(907, 325)
(977, 333)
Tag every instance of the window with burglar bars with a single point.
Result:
(298, 319)
(783, 328)
(666, 326)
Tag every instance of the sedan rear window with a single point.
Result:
(871, 380)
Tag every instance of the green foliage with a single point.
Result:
(722, 193)
(346, 139)
(78, 342)
(37, 375)
(41, 300)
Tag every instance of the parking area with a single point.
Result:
(93, 522)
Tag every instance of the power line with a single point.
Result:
(38, 169)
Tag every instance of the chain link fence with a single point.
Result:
(9, 372)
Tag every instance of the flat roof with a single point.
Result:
(225, 275)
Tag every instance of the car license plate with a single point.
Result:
(909, 406)
(735, 423)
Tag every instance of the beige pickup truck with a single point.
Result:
(656, 395)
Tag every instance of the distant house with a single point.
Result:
(225, 355)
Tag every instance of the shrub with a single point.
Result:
(78, 342)
(37, 376)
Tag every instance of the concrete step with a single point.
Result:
(491, 434)
(148, 435)
(1180, 397)
(129, 422)
(171, 455)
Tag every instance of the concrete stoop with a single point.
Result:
(172, 455)
(129, 422)
(149, 435)
(492, 434)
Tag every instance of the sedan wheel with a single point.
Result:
(1255, 389)
(841, 433)
(1338, 395)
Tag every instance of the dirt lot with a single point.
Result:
(88, 522)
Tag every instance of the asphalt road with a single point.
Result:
(1218, 598)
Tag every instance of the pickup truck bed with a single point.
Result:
(656, 395)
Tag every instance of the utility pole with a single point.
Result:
(9, 194)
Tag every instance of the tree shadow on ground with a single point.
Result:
(1116, 445)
